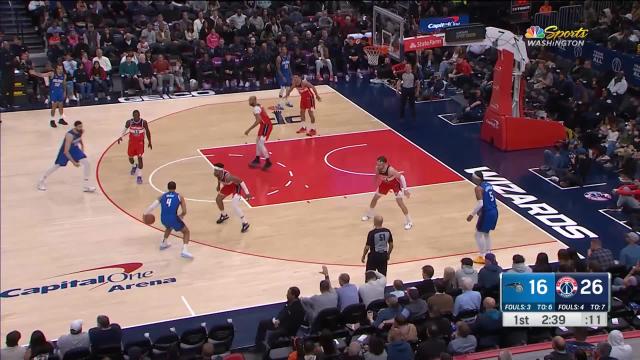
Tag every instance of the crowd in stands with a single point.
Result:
(163, 47)
(166, 46)
(432, 319)
(452, 315)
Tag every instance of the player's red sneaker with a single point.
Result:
(311, 132)
(301, 130)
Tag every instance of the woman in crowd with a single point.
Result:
(98, 80)
(38, 346)
(542, 263)
(82, 82)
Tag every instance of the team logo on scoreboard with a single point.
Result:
(518, 287)
(566, 287)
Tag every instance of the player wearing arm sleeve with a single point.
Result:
(234, 186)
(487, 211)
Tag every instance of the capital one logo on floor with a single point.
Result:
(117, 277)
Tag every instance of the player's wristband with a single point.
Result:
(477, 208)
(244, 187)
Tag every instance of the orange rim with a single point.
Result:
(382, 49)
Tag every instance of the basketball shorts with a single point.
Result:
(75, 153)
(172, 222)
(386, 186)
(487, 221)
(307, 103)
(56, 96)
(284, 81)
(378, 262)
(135, 148)
(265, 130)
(230, 189)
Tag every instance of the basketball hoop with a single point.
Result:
(373, 53)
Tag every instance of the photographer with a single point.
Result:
(475, 110)
(432, 88)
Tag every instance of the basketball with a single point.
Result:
(148, 219)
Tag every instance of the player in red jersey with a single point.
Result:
(262, 119)
(390, 179)
(308, 97)
(233, 186)
(137, 129)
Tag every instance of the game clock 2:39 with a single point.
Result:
(553, 320)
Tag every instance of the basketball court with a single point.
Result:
(68, 254)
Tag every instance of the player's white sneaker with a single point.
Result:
(365, 218)
(164, 245)
(186, 255)
(42, 186)
(408, 225)
(89, 189)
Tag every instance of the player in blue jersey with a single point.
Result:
(283, 72)
(71, 150)
(487, 210)
(57, 93)
(169, 203)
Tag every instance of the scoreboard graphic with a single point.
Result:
(555, 299)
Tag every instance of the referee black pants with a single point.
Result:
(408, 94)
(378, 261)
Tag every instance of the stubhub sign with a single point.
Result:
(430, 25)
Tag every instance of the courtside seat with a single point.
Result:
(113, 352)
(280, 348)
(144, 346)
(279, 353)
(164, 343)
(79, 353)
(376, 305)
(468, 316)
(221, 336)
(327, 319)
(354, 314)
(191, 340)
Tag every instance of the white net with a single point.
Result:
(373, 54)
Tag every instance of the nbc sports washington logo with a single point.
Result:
(554, 36)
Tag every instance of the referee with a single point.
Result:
(379, 246)
(409, 87)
